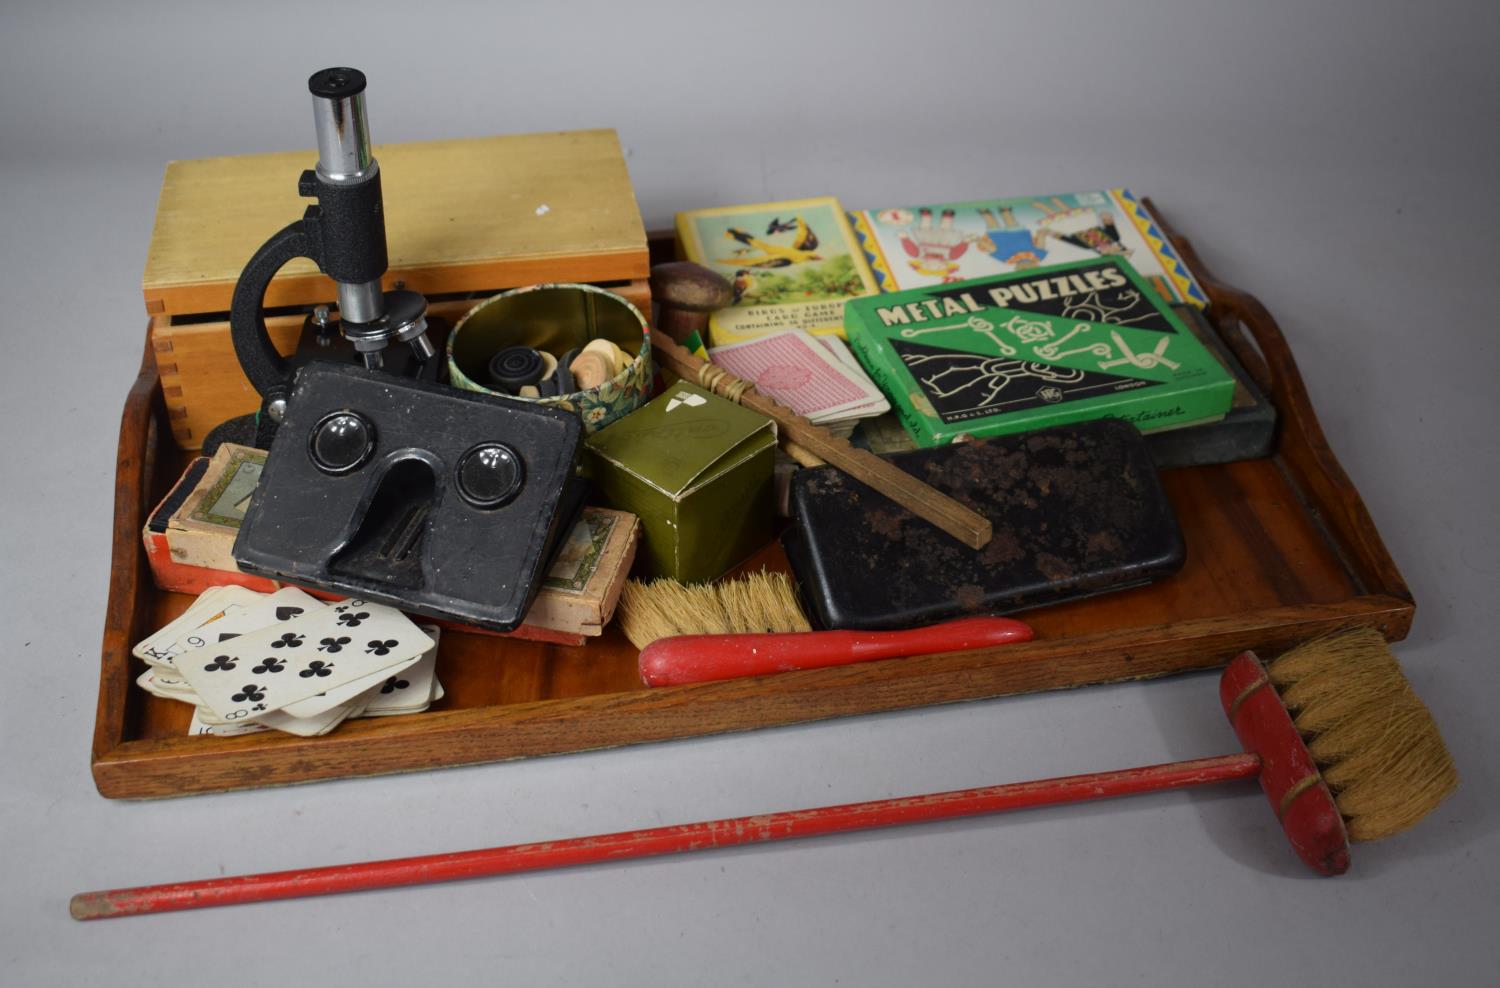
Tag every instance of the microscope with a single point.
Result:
(344, 234)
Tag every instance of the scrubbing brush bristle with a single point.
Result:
(1374, 740)
(756, 603)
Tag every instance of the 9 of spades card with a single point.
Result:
(216, 601)
(219, 626)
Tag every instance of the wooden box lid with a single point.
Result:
(461, 215)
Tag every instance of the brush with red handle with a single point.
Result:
(702, 658)
(752, 626)
(1362, 760)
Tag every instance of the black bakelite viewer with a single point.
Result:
(340, 442)
(444, 503)
(489, 475)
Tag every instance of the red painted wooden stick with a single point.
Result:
(1274, 752)
(660, 840)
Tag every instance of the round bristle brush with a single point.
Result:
(752, 626)
(1371, 764)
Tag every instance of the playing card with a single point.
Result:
(282, 606)
(201, 728)
(245, 677)
(157, 683)
(212, 601)
(222, 624)
(206, 716)
(408, 691)
(315, 705)
(841, 350)
(307, 727)
(794, 369)
(415, 673)
(878, 404)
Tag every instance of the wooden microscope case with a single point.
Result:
(464, 219)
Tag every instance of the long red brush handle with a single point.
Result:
(660, 840)
(701, 658)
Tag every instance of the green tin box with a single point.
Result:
(696, 470)
(1036, 348)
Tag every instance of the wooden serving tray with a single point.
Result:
(1279, 550)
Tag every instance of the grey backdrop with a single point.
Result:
(1336, 158)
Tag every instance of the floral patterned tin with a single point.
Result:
(556, 318)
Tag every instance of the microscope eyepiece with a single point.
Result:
(343, 131)
(336, 83)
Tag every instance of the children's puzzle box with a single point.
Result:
(1034, 348)
(917, 246)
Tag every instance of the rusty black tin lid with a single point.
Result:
(1078, 510)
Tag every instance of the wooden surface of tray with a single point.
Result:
(488, 212)
(1278, 550)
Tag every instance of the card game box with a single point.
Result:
(1035, 348)
(792, 264)
(195, 525)
(696, 469)
(1246, 431)
(919, 246)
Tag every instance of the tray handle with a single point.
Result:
(1300, 442)
(135, 466)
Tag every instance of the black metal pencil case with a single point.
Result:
(1077, 510)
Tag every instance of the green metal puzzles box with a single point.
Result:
(1036, 348)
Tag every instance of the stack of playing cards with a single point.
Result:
(815, 376)
(252, 662)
